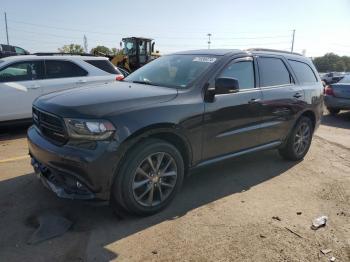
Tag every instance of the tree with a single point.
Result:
(101, 50)
(72, 49)
(332, 62)
(116, 51)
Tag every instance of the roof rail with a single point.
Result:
(272, 50)
(62, 54)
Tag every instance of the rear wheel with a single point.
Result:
(149, 178)
(333, 111)
(299, 140)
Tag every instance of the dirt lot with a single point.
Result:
(223, 213)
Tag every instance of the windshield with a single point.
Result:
(346, 79)
(130, 47)
(177, 71)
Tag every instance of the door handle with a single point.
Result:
(297, 95)
(254, 100)
(35, 86)
(81, 81)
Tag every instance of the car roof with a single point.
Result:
(217, 52)
(52, 57)
(252, 51)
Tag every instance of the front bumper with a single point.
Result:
(76, 170)
(337, 102)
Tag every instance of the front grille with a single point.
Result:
(50, 126)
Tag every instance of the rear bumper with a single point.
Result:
(82, 170)
(337, 102)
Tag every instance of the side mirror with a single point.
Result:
(226, 85)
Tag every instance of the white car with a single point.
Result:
(24, 78)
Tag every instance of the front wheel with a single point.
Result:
(149, 178)
(299, 141)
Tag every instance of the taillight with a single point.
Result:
(329, 91)
(119, 77)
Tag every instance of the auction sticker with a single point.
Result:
(204, 59)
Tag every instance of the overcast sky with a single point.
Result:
(41, 25)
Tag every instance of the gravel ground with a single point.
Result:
(253, 208)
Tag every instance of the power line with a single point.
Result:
(42, 33)
(257, 37)
(160, 37)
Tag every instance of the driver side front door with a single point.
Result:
(232, 121)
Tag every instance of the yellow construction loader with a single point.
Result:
(137, 51)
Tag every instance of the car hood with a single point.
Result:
(103, 100)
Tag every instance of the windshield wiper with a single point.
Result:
(145, 83)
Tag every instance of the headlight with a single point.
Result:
(89, 129)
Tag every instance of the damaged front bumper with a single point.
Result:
(63, 185)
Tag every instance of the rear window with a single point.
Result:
(104, 65)
(303, 72)
(62, 69)
(273, 72)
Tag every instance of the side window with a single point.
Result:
(303, 72)
(104, 65)
(243, 71)
(62, 69)
(20, 51)
(273, 72)
(22, 71)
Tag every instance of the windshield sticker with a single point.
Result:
(204, 59)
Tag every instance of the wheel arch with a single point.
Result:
(168, 132)
(310, 114)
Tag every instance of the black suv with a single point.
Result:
(10, 50)
(132, 142)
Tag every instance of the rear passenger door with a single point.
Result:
(282, 98)
(61, 75)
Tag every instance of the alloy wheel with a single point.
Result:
(154, 179)
(302, 138)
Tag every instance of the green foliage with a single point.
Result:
(116, 51)
(331, 62)
(72, 49)
(103, 50)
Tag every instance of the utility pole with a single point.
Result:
(209, 42)
(85, 44)
(7, 32)
(293, 40)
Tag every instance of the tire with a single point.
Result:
(333, 111)
(144, 190)
(291, 151)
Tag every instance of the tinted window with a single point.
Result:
(20, 51)
(273, 72)
(8, 48)
(345, 80)
(61, 69)
(303, 72)
(124, 72)
(243, 72)
(177, 71)
(104, 65)
(22, 71)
